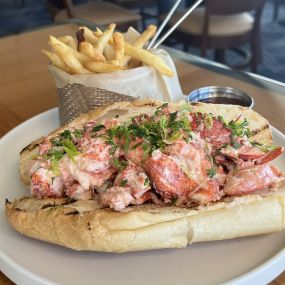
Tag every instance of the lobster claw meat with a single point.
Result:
(271, 155)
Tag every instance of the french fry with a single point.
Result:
(70, 60)
(109, 50)
(148, 58)
(89, 50)
(54, 42)
(145, 36)
(100, 67)
(119, 47)
(140, 42)
(114, 62)
(89, 36)
(103, 51)
(104, 38)
(70, 41)
(56, 60)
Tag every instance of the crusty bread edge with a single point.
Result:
(83, 227)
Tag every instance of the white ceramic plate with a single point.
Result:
(254, 260)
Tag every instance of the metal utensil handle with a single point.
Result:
(165, 21)
(190, 10)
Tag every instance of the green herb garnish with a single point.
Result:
(208, 121)
(123, 183)
(239, 128)
(174, 200)
(70, 149)
(236, 145)
(98, 128)
(211, 172)
(119, 164)
(66, 135)
(263, 147)
(147, 182)
(78, 133)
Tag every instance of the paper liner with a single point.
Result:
(80, 93)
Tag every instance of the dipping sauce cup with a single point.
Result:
(221, 95)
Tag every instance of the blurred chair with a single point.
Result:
(277, 3)
(141, 6)
(97, 12)
(222, 25)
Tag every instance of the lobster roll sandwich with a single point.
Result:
(145, 175)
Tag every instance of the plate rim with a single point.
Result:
(9, 266)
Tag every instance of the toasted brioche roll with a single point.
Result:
(82, 225)
(123, 111)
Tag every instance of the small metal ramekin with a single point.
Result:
(221, 95)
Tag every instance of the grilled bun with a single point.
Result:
(85, 225)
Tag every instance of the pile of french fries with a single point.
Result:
(102, 51)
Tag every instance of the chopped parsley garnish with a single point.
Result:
(174, 200)
(136, 145)
(157, 131)
(123, 183)
(113, 149)
(119, 163)
(239, 128)
(66, 135)
(211, 172)
(236, 145)
(146, 182)
(55, 156)
(98, 128)
(264, 147)
(70, 149)
(78, 133)
(61, 147)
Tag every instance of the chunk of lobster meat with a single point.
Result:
(167, 177)
(247, 153)
(95, 156)
(208, 192)
(190, 158)
(271, 155)
(117, 198)
(73, 171)
(217, 134)
(65, 172)
(44, 147)
(35, 164)
(77, 192)
(143, 198)
(252, 179)
(44, 183)
(90, 127)
(136, 153)
(135, 178)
